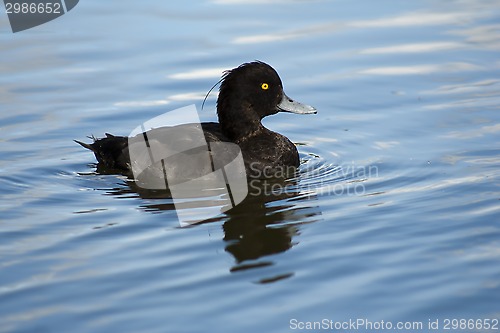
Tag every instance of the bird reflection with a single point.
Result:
(263, 224)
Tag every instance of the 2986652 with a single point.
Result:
(471, 324)
(33, 8)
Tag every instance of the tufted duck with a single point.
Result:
(247, 94)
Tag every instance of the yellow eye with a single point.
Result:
(264, 86)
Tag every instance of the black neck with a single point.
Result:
(237, 121)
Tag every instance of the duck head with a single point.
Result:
(249, 93)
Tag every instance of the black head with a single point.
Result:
(256, 84)
(250, 92)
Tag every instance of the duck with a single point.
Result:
(247, 94)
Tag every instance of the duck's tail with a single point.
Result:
(111, 152)
(86, 145)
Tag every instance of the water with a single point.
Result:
(394, 216)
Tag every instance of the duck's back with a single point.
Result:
(112, 152)
(265, 155)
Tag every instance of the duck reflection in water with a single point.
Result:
(259, 227)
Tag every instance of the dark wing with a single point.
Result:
(112, 152)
